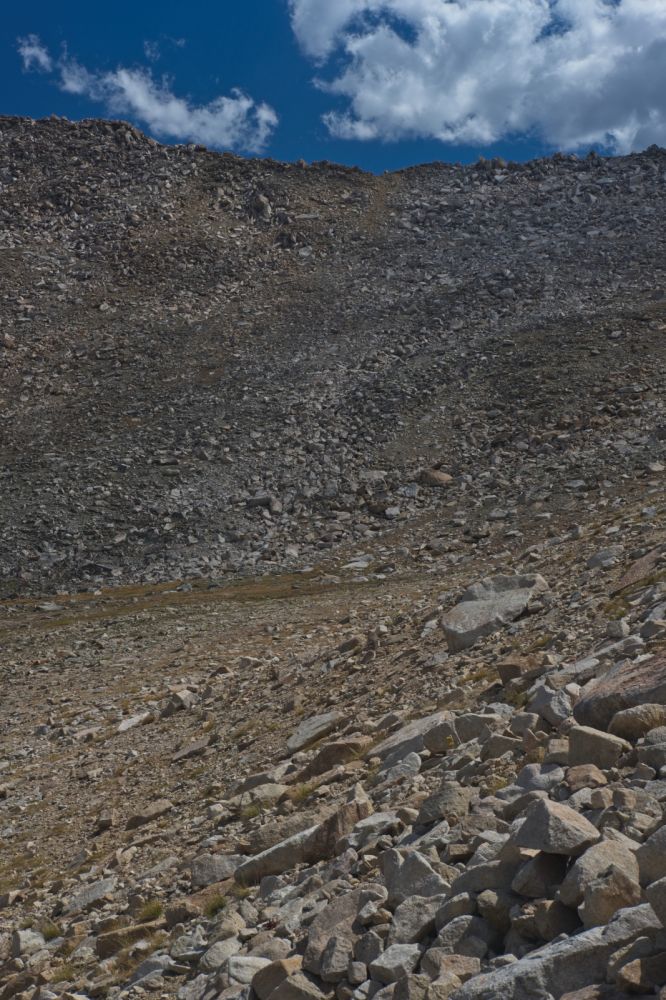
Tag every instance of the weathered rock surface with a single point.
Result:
(487, 606)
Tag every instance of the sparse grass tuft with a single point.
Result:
(215, 905)
(50, 930)
(299, 793)
(152, 910)
(250, 811)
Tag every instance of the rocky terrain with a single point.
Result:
(333, 564)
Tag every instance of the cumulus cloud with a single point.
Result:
(34, 55)
(574, 72)
(235, 121)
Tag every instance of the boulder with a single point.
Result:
(408, 873)
(612, 890)
(651, 857)
(589, 865)
(269, 977)
(626, 685)
(487, 606)
(555, 829)
(591, 746)
(564, 965)
(410, 738)
(316, 843)
(413, 919)
(633, 723)
(313, 729)
(336, 922)
(210, 868)
(395, 963)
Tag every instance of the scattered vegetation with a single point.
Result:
(151, 910)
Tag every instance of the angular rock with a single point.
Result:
(555, 829)
(651, 857)
(562, 966)
(151, 812)
(337, 921)
(487, 606)
(413, 919)
(313, 729)
(626, 685)
(210, 868)
(610, 891)
(395, 963)
(408, 873)
(591, 864)
(633, 723)
(270, 976)
(591, 746)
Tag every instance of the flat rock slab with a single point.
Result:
(487, 606)
(151, 812)
(313, 729)
(639, 570)
(410, 738)
(626, 685)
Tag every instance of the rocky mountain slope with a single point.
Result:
(333, 567)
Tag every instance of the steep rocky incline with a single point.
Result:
(333, 566)
(211, 364)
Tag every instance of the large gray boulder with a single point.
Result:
(555, 829)
(564, 965)
(488, 605)
(333, 931)
(626, 685)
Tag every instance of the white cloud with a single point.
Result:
(151, 50)
(235, 121)
(34, 55)
(575, 72)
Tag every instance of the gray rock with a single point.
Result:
(410, 738)
(591, 746)
(651, 857)
(487, 606)
(413, 919)
(336, 921)
(313, 729)
(626, 685)
(656, 894)
(553, 706)
(243, 968)
(451, 802)
(87, 896)
(564, 965)
(589, 865)
(218, 953)
(408, 873)
(555, 829)
(610, 891)
(632, 723)
(395, 963)
(210, 868)
(26, 942)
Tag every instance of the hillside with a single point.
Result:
(333, 575)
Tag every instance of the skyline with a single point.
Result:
(379, 84)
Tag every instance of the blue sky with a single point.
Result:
(377, 83)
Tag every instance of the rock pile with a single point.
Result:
(213, 365)
(398, 728)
